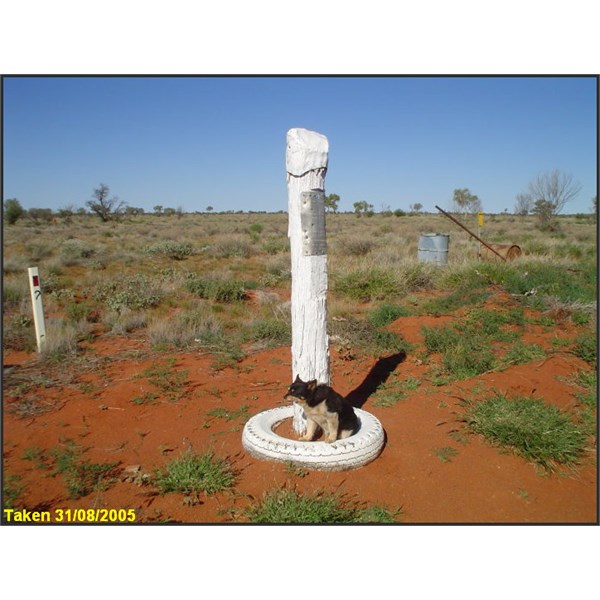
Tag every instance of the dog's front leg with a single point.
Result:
(311, 428)
(333, 423)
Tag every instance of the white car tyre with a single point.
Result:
(259, 440)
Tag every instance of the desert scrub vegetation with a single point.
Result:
(588, 382)
(12, 488)
(81, 476)
(18, 333)
(481, 341)
(290, 506)
(194, 327)
(62, 339)
(533, 429)
(130, 274)
(232, 247)
(75, 251)
(169, 382)
(121, 322)
(270, 332)
(373, 280)
(351, 334)
(193, 473)
(170, 249)
(219, 289)
(133, 292)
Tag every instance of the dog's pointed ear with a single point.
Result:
(297, 380)
(312, 385)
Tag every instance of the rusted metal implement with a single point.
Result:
(509, 251)
(512, 251)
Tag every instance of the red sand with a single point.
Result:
(480, 484)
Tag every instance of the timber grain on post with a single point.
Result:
(306, 166)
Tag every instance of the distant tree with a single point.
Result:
(209, 209)
(66, 212)
(544, 210)
(37, 215)
(158, 209)
(133, 211)
(106, 208)
(363, 208)
(464, 200)
(551, 191)
(13, 211)
(169, 211)
(416, 207)
(523, 204)
(331, 202)
(555, 188)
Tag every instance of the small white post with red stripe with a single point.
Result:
(38, 307)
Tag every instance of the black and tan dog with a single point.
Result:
(324, 408)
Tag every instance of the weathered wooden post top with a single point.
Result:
(306, 165)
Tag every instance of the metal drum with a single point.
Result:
(433, 247)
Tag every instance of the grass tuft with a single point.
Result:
(195, 473)
(289, 506)
(533, 429)
(219, 290)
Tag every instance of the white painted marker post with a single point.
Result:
(306, 166)
(38, 308)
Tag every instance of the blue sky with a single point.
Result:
(200, 141)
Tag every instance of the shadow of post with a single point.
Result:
(378, 375)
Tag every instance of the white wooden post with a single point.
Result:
(306, 166)
(38, 308)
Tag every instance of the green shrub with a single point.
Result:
(586, 347)
(366, 285)
(73, 251)
(81, 476)
(289, 506)
(125, 320)
(349, 246)
(219, 290)
(171, 249)
(13, 293)
(192, 472)
(78, 311)
(535, 280)
(523, 353)
(62, 338)
(387, 313)
(273, 331)
(464, 354)
(355, 333)
(186, 330)
(440, 339)
(18, 333)
(466, 359)
(230, 249)
(38, 251)
(533, 429)
(275, 245)
(133, 292)
(13, 211)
